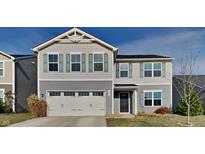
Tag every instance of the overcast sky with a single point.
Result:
(174, 42)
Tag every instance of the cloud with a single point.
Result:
(177, 45)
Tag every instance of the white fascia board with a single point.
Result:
(7, 55)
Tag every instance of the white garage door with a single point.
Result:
(72, 103)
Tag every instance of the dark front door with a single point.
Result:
(124, 102)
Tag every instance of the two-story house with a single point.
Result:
(79, 74)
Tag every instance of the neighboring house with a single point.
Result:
(18, 73)
(7, 75)
(198, 82)
(78, 74)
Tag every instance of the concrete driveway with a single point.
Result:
(86, 121)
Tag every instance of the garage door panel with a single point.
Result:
(76, 105)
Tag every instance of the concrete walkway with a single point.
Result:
(85, 121)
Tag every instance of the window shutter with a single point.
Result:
(45, 63)
(163, 69)
(90, 61)
(105, 62)
(130, 70)
(61, 63)
(141, 70)
(117, 70)
(163, 98)
(142, 98)
(67, 62)
(83, 62)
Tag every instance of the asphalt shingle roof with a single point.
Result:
(140, 56)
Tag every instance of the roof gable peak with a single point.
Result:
(74, 35)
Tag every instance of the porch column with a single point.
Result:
(135, 101)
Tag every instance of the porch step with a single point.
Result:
(120, 116)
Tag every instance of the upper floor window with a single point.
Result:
(157, 69)
(75, 62)
(1, 68)
(53, 62)
(152, 69)
(153, 98)
(98, 62)
(124, 68)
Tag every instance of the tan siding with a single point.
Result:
(6, 87)
(3, 57)
(83, 48)
(8, 73)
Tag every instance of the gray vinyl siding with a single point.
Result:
(81, 85)
(166, 101)
(136, 79)
(72, 48)
(25, 82)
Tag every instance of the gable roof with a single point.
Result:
(7, 55)
(66, 34)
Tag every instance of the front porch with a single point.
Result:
(125, 99)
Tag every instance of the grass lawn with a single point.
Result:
(170, 120)
(6, 119)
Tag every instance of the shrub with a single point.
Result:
(163, 110)
(196, 106)
(1, 106)
(7, 105)
(38, 108)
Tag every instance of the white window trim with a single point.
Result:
(75, 53)
(152, 91)
(98, 62)
(151, 70)
(3, 69)
(3, 93)
(127, 70)
(52, 62)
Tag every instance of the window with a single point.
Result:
(147, 69)
(152, 69)
(124, 67)
(55, 93)
(98, 93)
(69, 93)
(1, 68)
(83, 93)
(157, 69)
(53, 62)
(153, 98)
(75, 62)
(98, 62)
(1, 95)
(148, 98)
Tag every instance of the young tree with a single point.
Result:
(185, 84)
